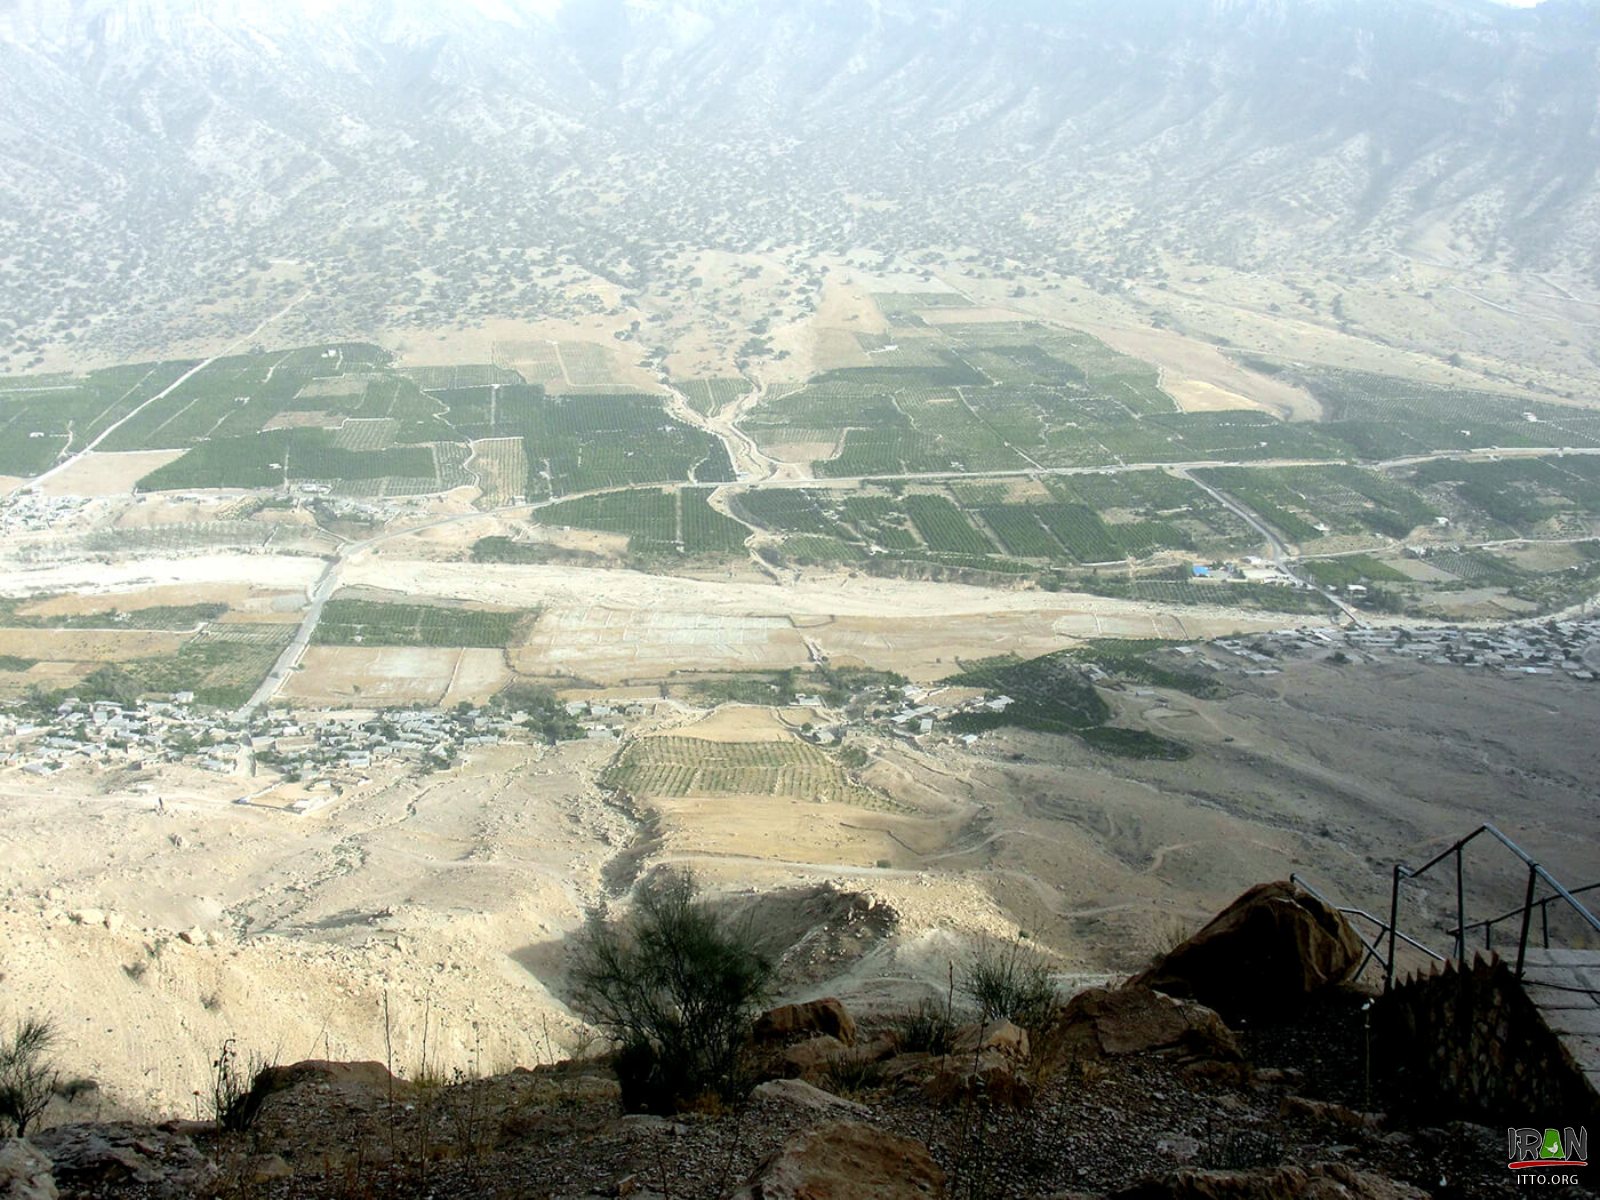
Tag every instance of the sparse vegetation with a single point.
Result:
(677, 987)
(1010, 981)
(28, 1073)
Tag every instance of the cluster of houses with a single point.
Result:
(909, 712)
(308, 748)
(27, 511)
(1569, 648)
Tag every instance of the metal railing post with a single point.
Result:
(1461, 910)
(1394, 921)
(1527, 915)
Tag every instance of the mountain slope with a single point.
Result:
(157, 154)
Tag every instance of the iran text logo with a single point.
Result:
(1544, 1150)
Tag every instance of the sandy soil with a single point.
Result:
(82, 645)
(441, 893)
(107, 474)
(395, 675)
(242, 599)
(280, 571)
(616, 625)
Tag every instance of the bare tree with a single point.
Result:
(28, 1074)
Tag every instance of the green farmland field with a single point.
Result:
(348, 622)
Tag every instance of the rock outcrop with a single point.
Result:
(1262, 956)
(848, 1160)
(24, 1172)
(161, 1163)
(818, 1018)
(1112, 1022)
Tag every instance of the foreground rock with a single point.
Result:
(1112, 1022)
(848, 1160)
(1262, 956)
(24, 1172)
(114, 1155)
(797, 1093)
(817, 1018)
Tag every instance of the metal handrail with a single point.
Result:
(1373, 952)
(1454, 851)
(1542, 904)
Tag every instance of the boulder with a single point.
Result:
(808, 1059)
(797, 1093)
(828, 1017)
(847, 1160)
(1111, 1022)
(1263, 955)
(1002, 1037)
(370, 1078)
(24, 1172)
(1326, 1181)
(91, 1157)
(989, 1077)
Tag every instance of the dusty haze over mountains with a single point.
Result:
(167, 163)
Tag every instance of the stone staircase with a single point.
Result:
(1564, 986)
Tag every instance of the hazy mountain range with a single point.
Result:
(149, 148)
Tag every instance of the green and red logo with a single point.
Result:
(1547, 1149)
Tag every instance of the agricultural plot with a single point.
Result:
(436, 379)
(180, 537)
(222, 666)
(582, 443)
(1147, 511)
(881, 521)
(944, 528)
(647, 516)
(347, 622)
(1477, 567)
(176, 618)
(274, 458)
(1352, 568)
(366, 433)
(1305, 503)
(654, 520)
(1081, 532)
(688, 768)
(502, 470)
(1383, 417)
(1186, 592)
(815, 550)
(447, 469)
(789, 510)
(709, 396)
(586, 365)
(45, 418)
(705, 530)
(1020, 532)
(1526, 495)
(1051, 694)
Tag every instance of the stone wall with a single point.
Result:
(1467, 1041)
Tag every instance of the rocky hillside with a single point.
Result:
(416, 162)
(1141, 1091)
